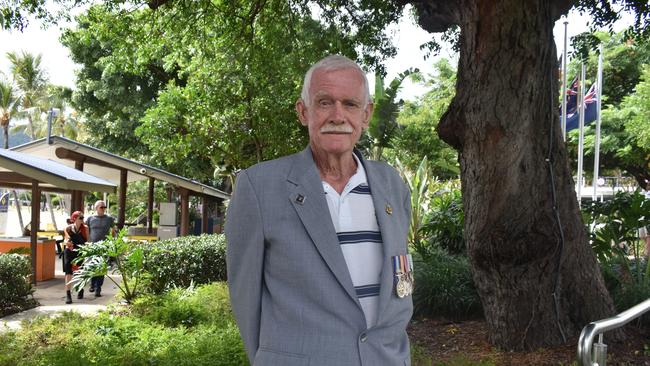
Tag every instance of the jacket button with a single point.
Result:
(363, 337)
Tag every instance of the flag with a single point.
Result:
(591, 110)
(571, 98)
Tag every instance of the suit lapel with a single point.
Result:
(308, 199)
(384, 207)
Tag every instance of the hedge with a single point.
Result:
(185, 261)
(15, 287)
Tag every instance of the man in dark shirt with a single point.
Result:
(99, 226)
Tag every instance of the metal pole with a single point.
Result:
(599, 92)
(564, 79)
(581, 141)
(49, 125)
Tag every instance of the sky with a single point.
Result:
(407, 37)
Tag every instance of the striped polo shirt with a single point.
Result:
(353, 215)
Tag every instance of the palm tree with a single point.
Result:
(65, 123)
(9, 101)
(383, 124)
(31, 81)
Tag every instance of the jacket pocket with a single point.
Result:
(267, 357)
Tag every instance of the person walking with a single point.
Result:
(99, 227)
(75, 235)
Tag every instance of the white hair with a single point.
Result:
(333, 63)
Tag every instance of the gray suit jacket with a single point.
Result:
(290, 287)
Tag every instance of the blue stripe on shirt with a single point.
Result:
(352, 237)
(361, 189)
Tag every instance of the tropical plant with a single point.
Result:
(445, 221)
(418, 183)
(31, 81)
(444, 286)
(383, 124)
(614, 236)
(418, 120)
(65, 121)
(117, 255)
(9, 102)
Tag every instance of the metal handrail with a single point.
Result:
(593, 329)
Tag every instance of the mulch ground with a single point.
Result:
(445, 342)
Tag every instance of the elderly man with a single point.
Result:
(100, 226)
(318, 267)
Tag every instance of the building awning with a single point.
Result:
(106, 165)
(19, 170)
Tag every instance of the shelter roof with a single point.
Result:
(107, 165)
(19, 170)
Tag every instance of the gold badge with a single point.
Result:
(389, 210)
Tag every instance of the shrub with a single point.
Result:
(445, 220)
(185, 261)
(130, 339)
(187, 307)
(444, 287)
(15, 287)
(20, 250)
(127, 258)
(614, 240)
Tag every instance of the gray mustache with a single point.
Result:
(344, 128)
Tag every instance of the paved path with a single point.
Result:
(51, 295)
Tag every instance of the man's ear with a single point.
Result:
(367, 115)
(301, 110)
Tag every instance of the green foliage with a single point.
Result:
(133, 339)
(615, 243)
(418, 183)
(20, 250)
(625, 140)
(419, 356)
(15, 285)
(220, 77)
(462, 360)
(383, 124)
(187, 307)
(444, 287)
(445, 220)
(185, 261)
(127, 258)
(418, 120)
(616, 223)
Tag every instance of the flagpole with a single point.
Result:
(599, 86)
(581, 106)
(564, 82)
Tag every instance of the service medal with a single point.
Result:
(401, 287)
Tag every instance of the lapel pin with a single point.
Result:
(389, 210)
(300, 199)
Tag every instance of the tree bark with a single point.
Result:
(536, 275)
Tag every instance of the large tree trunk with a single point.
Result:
(537, 277)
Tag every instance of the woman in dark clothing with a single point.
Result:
(75, 234)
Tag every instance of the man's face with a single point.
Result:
(337, 113)
(101, 209)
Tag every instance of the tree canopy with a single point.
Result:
(219, 76)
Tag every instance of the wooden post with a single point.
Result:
(77, 203)
(205, 203)
(36, 215)
(185, 211)
(121, 213)
(150, 206)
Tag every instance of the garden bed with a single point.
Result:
(465, 343)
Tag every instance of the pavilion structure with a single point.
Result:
(121, 171)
